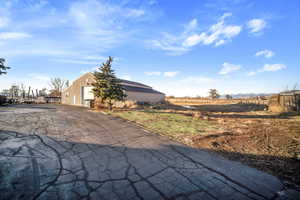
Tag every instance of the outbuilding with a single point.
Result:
(285, 102)
(80, 92)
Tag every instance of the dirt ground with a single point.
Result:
(269, 144)
(267, 141)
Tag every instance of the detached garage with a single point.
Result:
(80, 92)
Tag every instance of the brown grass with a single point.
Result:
(203, 101)
(241, 132)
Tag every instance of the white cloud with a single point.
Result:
(194, 39)
(39, 50)
(256, 25)
(40, 77)
(198, 79)
(268, 68)
(226, 15)
(37, 5)
(229, 68)
(74, 34)
(187, 86)
(192, 25)
(89, 70)
(4, 21)
(273, 67)
(93, 57)
(220, 42)
(252, 73)
(98, 22)
(126, 77)
(217, 34)
(80, 62)
(154, 73)
(84, 71)
(165, 74)
(171, 74)
(168, 44)
(152, 2)
(35, 83)
(13, 35)
(266, 53)
(135, 13)
(96, 25)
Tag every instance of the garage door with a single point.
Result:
(88, 93)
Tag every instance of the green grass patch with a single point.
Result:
(171, 124)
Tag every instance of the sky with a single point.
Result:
(179, 47)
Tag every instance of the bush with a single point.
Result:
(2, 100)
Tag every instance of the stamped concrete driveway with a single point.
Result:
(62, 152)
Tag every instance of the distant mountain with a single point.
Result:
(248, 95)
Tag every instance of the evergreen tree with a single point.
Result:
(107, 86)
(3, 68)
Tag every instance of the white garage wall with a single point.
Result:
(88, 93)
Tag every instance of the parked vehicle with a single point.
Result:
(3, 100)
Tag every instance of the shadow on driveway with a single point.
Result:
(41, 167)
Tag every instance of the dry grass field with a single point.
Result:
(204, 101)
(241, 132)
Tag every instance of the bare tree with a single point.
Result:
(227, 96)
(67, 83)
(295, 86)
(213, 94)
(28, 94)
(14, 91)
(43, 92)
(22, 89)
(287, 88)
(57, 85)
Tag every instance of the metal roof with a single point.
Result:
(127, 85)
(140, 89)
(123, 81)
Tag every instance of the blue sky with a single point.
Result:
(182, 48)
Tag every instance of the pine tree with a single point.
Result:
(3, 68)
(107, 86)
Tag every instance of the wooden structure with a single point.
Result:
(285, 102)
